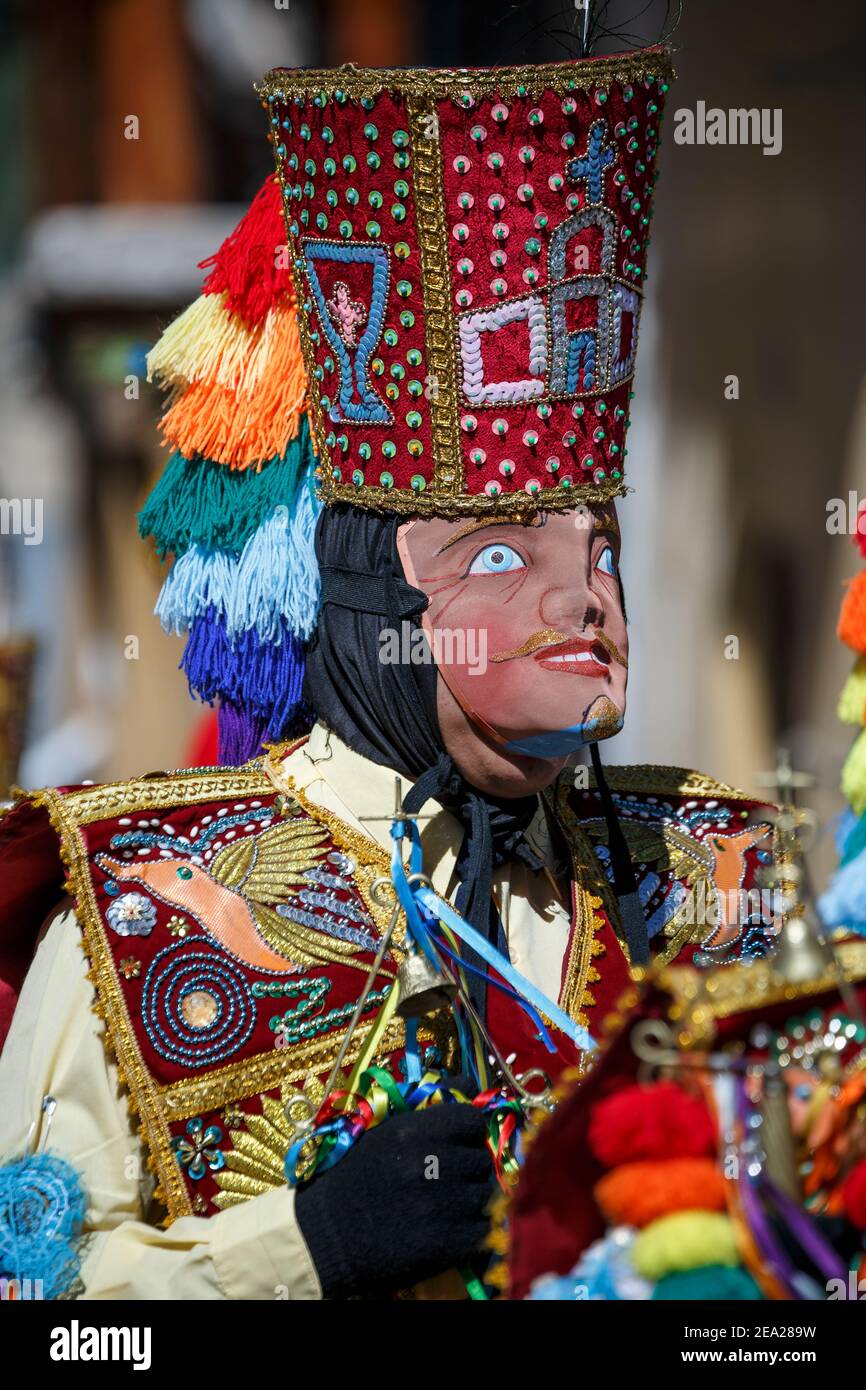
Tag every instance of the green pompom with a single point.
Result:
(709, 1284)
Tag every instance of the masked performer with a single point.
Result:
(397, 421)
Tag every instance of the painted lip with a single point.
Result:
(578, 657)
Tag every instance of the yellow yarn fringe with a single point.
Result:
(251, 422)
(854, 775)
(852, 700)
(209, 343)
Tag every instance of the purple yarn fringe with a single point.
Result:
(262, 680)
(241, 734)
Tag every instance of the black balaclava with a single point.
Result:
(387, 710)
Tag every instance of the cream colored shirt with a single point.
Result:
(55, 1047)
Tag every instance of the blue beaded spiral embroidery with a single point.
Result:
(177, 972)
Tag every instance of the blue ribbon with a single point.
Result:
(410, 896)
(437, 907)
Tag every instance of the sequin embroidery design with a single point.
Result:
(240, 891)
(341, 317)
(692, 862)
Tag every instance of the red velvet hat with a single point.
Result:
(469, 253)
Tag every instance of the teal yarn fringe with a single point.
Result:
(197, 502)
(273, 584)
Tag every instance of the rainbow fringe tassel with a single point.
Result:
(236, 505)
(844, 902)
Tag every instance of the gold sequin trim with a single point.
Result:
(160, 790)
(516, 506)
(429, 202)
(441, 84)
(701, 997)
(669, 781)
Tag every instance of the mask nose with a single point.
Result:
(570, 604)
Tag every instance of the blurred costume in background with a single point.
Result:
(844, 902)
(397, 418)
(715, 1152)
(16, 668)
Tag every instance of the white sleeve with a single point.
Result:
(55, 1047)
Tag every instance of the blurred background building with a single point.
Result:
(132, 142)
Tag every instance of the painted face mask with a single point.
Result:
(526, 623)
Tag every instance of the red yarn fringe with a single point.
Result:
(251, 266)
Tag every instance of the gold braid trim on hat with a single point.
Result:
(439, 84)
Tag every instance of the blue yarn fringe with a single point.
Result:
(275, 579)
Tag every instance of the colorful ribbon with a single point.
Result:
(414, 895)
(346, 1115)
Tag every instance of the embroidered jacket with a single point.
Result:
(229, 928)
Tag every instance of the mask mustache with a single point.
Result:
(547, 637)
(611, 647)
(550, 637)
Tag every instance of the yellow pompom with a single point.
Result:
(854, 775)
(852, 700)
(684, 1240)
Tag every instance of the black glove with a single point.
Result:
(378, 1221)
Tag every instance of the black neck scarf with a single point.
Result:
(386, 711)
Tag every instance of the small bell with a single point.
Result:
(422, 988)
(802, 954)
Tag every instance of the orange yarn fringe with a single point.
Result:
(244, 428)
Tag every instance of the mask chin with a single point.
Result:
(601, 721)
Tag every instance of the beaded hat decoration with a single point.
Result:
(469, 251)
(431, 308)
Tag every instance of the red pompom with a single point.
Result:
(644, 1122)
(854, 1196)
(860, 534)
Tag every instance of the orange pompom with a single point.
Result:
(852, 618)
(645, 1122)
(639, 1193)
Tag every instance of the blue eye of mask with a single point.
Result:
(606, 562)
(496, 559)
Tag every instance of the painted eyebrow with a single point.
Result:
(606, 522)
(480, 525)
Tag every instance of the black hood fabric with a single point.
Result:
(387, 710)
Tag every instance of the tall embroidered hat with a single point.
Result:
(432, 308)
